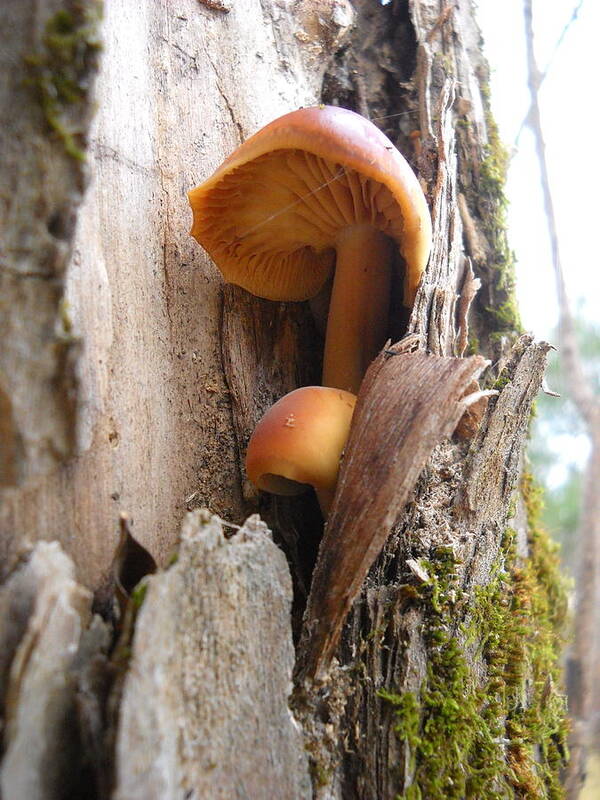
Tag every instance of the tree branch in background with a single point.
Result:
(541, 76)
(584, 657)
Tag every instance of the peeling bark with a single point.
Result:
(43, 615)
(461, 502)
(212, 646)
(408, 404)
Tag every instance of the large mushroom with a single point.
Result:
(319, 189)
(299, 442)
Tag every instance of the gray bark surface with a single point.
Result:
(43, 615)
(213, 650)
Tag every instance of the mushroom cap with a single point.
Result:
(299, 441)
(270, 214)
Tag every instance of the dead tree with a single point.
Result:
(442, 682)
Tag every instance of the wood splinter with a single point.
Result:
(406, 406)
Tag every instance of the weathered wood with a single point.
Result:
(204, 710)
(43, 614)
(175, 94)
(408, 403)
(494, 461)
(201, 696)
(369, 746)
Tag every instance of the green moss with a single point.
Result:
(484, 189)
(59, 71)
(473, 347)
(503, 735)
(320, 774)
(408, 713)
(502, 380)
(138, 594)
(532, 415)
(491, 203)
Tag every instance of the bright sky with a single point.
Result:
(571, 120)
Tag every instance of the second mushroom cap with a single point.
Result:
(299, 442)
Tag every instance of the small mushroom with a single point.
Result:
(318, 189)
(299, 442)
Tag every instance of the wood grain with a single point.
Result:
(175, 94)
(407, 404)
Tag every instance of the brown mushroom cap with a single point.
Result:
(271, 213)
(299, 441)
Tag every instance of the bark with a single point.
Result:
(190, 697)
(408, 403)
(175, 94)
(186, 702)
(44, 615)
(460, 506)
(47, 62)
(196, 652)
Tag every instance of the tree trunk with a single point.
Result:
(444, 680)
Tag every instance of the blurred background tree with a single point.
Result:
(552, 228)
(560, 445)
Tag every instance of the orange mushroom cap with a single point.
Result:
(271, 213)
(299, 441)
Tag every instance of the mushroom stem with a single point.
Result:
(277, 484)
(325, 497)
(358, 313)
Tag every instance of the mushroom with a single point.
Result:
(318, 189)
(299, 442)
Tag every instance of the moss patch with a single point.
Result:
(502, 735)
(492, 205)
(483, 183)
(138, 594)
(61, 68)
